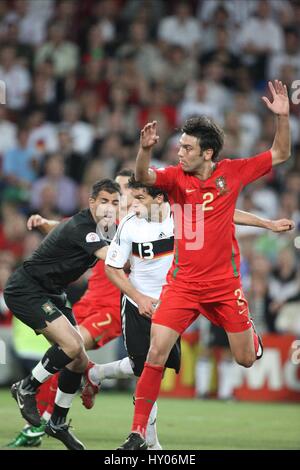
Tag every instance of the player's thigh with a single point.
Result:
(234, 319)
(136, 333)
(88, 340)
(177, 309)
(242, 347)
(60, 331)
(101, 327)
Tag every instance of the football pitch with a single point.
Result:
(182, 424)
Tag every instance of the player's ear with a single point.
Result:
(208, 154)
(91, 202)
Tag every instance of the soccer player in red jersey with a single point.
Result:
(205, 274)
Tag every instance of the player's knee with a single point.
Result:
(245, 360)
(157, 355)
(80, 363)
(74, 346)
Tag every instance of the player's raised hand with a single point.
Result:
(280, 104)
(148, 136)
(282, 225)
(35, 220)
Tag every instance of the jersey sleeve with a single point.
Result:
(88, 239)
(120, 248)
(165, 177)
(252, 168)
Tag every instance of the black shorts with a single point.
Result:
(217, 337)
(136, 333)
(32, 304)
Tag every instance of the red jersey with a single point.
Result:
(206, 248)
(101, 292)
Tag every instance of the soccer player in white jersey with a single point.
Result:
(144, 238)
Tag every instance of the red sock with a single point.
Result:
(146, 394)
(52, 393)
(42, 396)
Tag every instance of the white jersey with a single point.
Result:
(149, 248)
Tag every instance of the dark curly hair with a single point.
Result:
(151, 190)
(105, 185)
(209, 134)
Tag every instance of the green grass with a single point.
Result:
(182, 424)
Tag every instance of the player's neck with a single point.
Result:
(205, 171)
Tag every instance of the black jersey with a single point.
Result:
(66, 253)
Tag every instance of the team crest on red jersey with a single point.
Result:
(221, 186)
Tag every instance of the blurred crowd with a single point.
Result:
(83, 76)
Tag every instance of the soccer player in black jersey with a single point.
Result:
(35, 293)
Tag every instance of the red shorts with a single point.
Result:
(222, 302)
(103, 323)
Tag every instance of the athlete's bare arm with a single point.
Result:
(246, 218)
(281, 148)
(101, 253)
(44, 225)
(118, 277)
(148, 139)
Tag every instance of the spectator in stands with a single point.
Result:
(63, 53)
(55, 182)
(119, 116)
(12, 231)
(148, 58)
(82, 133)
(74, 162)
(42, 134)
(260, 36)
(181, 28)
(16, 77)
(21, 163)
(8, 132)
(284, 282)
(289, 55)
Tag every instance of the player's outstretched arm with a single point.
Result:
(148, 139)
(44, 225)
(281, 148)
(246, 218)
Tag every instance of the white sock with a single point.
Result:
(113, 370)
(40, 373)
(151, 432)
(46, 416)
(203, 376)
(225, 379)
(64, 400)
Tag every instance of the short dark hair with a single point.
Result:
(151, 190)
(125, 172)
(209, 134)
(105, 185)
